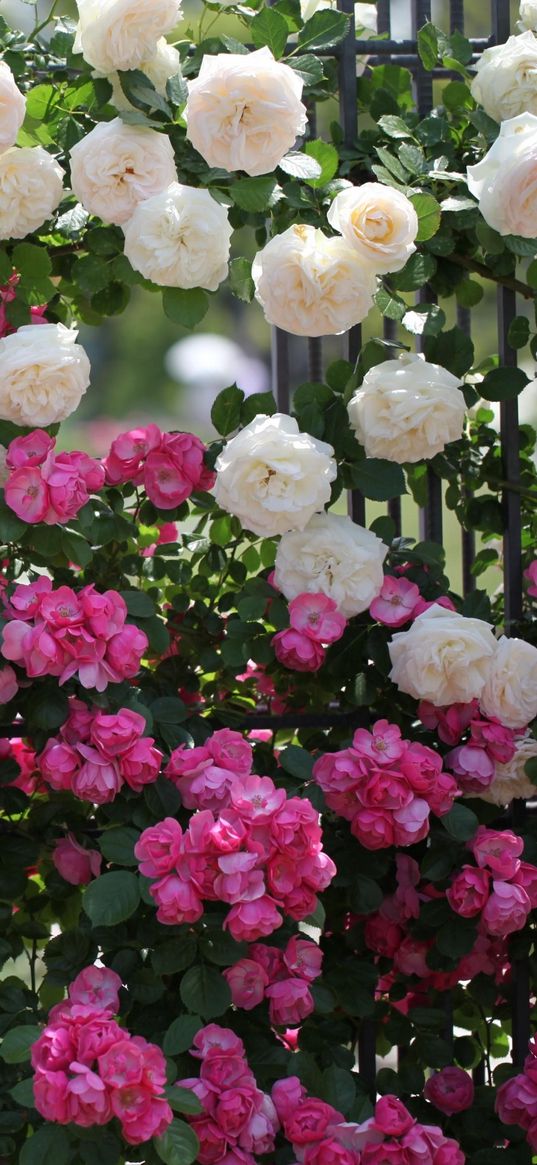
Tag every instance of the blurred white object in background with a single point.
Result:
(208, 363)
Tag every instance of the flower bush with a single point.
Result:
(259, 757)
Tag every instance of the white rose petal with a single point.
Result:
(335, 557)
(528, 13)
(378, 221)
(120, 34)
(116, 166)
(31, 187)
(43, 374)
(164, 63)
(505, 181)
(407, 410)
(510, 693)
(244, 111)
(180, 238)
(506, 78)
(312, 285)
(273, 477)
(444, 657)
(12, 107)
(510, 780)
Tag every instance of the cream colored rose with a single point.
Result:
(505, 83)
(273, 477)
(244, 111)
(528, 13)
(164, 63)
(120, 34)
(180, 238)
(334, 556)
(510, 693)
(378, 221)
(505, 181)
(31, 186)
(510, 780)
(116, 166)
(311, 285)
(407, 409)
(443, 657)
(12, 107)
(43, 374)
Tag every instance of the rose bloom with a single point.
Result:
(180, 238)
(12, 107)
(507, 909)
(444, 657)
(450, 1090)
(510, 694)
(333, 556)
(273, 477)
(31, 186)
(44, 374)
(312, 285)
(505, 83)
(528, 13)
(510, 779)
(505, 181)
(164, 63)
(9, 684)
(120, 34)
(407, 410)
(244, 111)
(76, 864)
(380, 223)
(116, 166)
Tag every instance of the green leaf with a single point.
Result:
(16, 1044)
(141, 92)
(11, 527)
(297, 761)
(91, 274)
(415, 274)
(204, 990)
(519, 332)
(253, 194)
(168, 710)
(30, 260)
(240, 279)
(50, 1145)
(226, 410)
(324, 30)
(23, 1092)
(185, 307)
(339, 1088)
(378, 479)
(219, 947)
(177, 91)
(429, 215)
(503, 384)
(300, 166)
(72, 223)
(269, 28)
(180, 1034)
(394, 126)
(365, 895)
(182, 1099)
(256, 404)
(308, 67)
(175, 954)
(327, 157)
(47, 709)
(139, 605)
(117, 845)
(428, 46)
(179, 1145)
(389, 304)
(112, 898)
(461, 823)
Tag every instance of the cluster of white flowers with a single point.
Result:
(31, 182)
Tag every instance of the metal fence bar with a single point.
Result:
(280, 369)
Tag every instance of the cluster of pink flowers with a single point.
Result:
(204, 775)
(237, 1120)
(488, 742)
(7, 295)
(74, 863)
(385, 786)
(282, 977)
(64, 633)
(321, 1136)
(400, 601)
(315, 623)
(260, 852)
(46, 487)
(169, 466)
(501, 889)
(95, 754)
(516, 1099)
(89, 1070)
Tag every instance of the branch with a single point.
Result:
(480, 269)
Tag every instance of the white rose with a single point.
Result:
(180, 238)
(116, 166)
(510, 694)
(12, 107)
(407, 409)
(335, 557)
(244, 111)
(444, 657)
(510, 780)
(164, 63)
(120, 34)
(378, 221)
(505, 181)
(31, 186)
(311, 285)
(528, 13)
(506, 78)
(273, 477)
(43, 374)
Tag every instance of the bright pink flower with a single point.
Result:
(531, 577)
(27, 494)
(50, 1096)
(229, 750)
(498, 740)
(383, 744)
(31, 450)
(127, 453)
(9, 685)
(212, 1141)
(450, 1090)
(122, 1064)
(310, 1121)
(114, 734)
(59, 764)
(77, 727)
(298, 651)
(140, 765)
(469, 892)
(27, 597)
(234, 1109)
(373, 828)
(411, 958)
(247, 981)
(290, 1002)
(125, 650)
(443, 793)
(450, 722)
(96, 987)
(303, 959)
(88, 1102)
(411, 823)
(390, 1153)
(507, 909)
(423, 605)
(67, 490)
(54, 1049)
(317, 616)
(257, 799)
(472, 766)
(329, 1151)
(76, 864)
(526, 876)
(270, 959)
(98, 780)
(391, 1117)
(150, 1122)
(287, 1095)
(396, 602)
(214, 1037)
(62, 608)
(497, 850)
(248, 921)
(516, 1101)
(105, 613)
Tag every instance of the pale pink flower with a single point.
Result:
(383, 744)
(507, 909)
(317, 616)
(96, 987)
(247, 980)
(74, 863)
(396, 603)
(9, 685)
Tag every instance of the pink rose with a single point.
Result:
(507, 909)
(287, 1095)
(316, 616)
(9, 684)
(303, 958)
(96, 987)
(298, 651)
(88, 1102)
(531, 578)
(229, 750)
(310, 1121)
(450, 722)
(177, 901)
(290, 1002)
(247, 981)
(98, 780)
(497, 850)
(450, 1090)
(270, 958)
(248, 921)
(50, 1096)
(125, 650)
(31, 450)
(526, 876)
(373, 828)
(152, 1121)
(469, 891)
(391, 1117)
(498, 740)
(472, 766)
(212, 1037)
(383, 745)
(140, 765)
(59, 764)
(329, 1151)
(114, 734)
(235, 1108)
(128, 452)
(76, 864)
(77, 727)
(395, 605)
(382, 936)
(212, 1140)
(27, 495)
(516, 1101)
(54, 1049)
